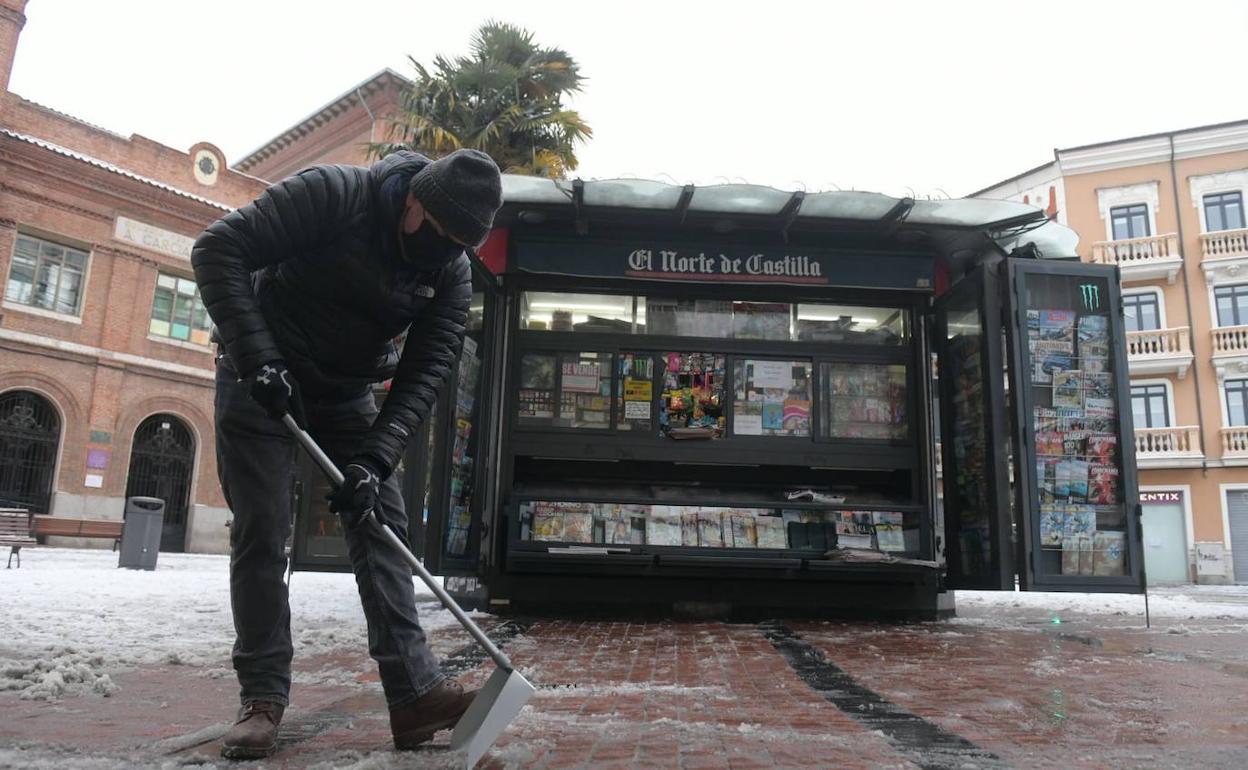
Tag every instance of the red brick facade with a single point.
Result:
(132, 204)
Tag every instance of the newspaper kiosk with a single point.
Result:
(731, 400)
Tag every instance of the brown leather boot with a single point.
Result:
(438, 709)
(254, 734)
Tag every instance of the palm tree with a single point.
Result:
(505, 98)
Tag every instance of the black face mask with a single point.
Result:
(426, 250)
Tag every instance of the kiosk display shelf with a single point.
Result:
(1081, 492)
(702, 526)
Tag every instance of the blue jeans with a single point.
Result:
(255, 463)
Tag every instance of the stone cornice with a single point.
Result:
(21, 192)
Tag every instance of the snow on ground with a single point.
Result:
(1188, 602)
(71, 615)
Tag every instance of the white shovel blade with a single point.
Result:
(499, 701)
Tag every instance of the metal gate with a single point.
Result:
(30, 432)
(161, 463)
(1237, 517)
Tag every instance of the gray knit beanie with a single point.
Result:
(462, 191)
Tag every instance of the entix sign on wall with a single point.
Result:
(723, 264)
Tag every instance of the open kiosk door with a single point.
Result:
(1075, 483)
(461, 440)
(979, 543)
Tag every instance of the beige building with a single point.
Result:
(1168, 210)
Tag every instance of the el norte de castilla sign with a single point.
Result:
(722, 264)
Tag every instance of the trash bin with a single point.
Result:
(140, 535)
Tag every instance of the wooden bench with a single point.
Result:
(64, 526)
(15, 532)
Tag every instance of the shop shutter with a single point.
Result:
(1237, 512)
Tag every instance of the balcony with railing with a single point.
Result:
(1168, 447)
(1142, 259)
(1224, 256)
(1159, 351)
(1235, 443)
(1223, 244)
(1230, 350)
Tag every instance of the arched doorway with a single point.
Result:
(161, 462)
(30, 433)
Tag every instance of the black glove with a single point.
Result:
(275, 389)
(359, 493)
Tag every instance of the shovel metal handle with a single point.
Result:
(390, 536)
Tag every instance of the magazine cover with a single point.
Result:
(578, 527)
(1074, 443)
(1052, 523)
(1057, 325)
(689, 529)
(1061, 479)
(1046, 480)
(1078, 480)
(796, 417)
(744, 531)
(773, 415)
(770, 532)
(1049, 444)
(1045, 419)
(1097, 385)
(1067, 387)
(547, 523)
(1102, 448)
(1108, 557)
(888, 531)
(1080, 520)
(710, 528)
(1086, 555)
(1103, 485)
(663, 528)
(1070, 556)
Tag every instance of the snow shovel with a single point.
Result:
(506, 692)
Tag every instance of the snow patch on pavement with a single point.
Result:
(1190, 602)
(73, 618)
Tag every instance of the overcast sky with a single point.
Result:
(922, 98)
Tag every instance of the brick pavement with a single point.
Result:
(714, 695)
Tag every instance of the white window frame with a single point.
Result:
(1161, 301)
(1213, 300)
(1169, 399)
(1145, 193)
(1226, 413)
(64, 242)
(1212, 184)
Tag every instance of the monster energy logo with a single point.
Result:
(1091, 295)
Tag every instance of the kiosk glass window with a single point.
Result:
(584, 390)
(634, 392)
(536, 399)
(1074, 400)
(851, 324)
(772, 398)
(692, 399)
(863, 401)
(566, 312)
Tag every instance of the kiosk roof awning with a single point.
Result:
(1007, 223)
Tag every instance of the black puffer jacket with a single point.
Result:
(310, 272)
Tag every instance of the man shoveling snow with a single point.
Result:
(308, 286)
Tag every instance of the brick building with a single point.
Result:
(105, 368)
(1168, 210)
